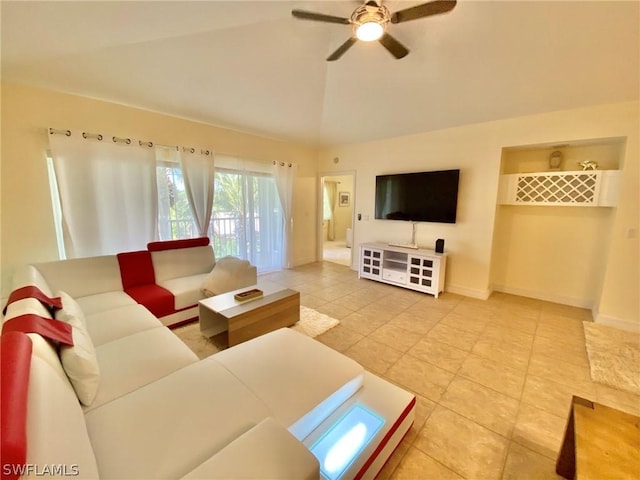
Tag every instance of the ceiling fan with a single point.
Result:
(369, 22)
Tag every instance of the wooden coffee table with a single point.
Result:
(600, 442)
(233, 322)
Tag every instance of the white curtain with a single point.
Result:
(199, 175)
(285, 174)
(331, 188)
(107, 194)
(166, 159)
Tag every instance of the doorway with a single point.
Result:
(336, 212)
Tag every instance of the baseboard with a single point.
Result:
(304, 261)
(620, 323)
(468, 292)
(548, 297)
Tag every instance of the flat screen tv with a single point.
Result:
(418, 197)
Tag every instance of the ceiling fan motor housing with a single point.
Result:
(370, 12)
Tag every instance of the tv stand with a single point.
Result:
(415, 268)
(402, 245)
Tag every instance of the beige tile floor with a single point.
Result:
(493, 378)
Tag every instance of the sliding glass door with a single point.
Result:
(247, 218)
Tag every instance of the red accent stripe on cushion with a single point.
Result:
(158, 300)
(171, 244)
(31, 291)
(136, 269)
(15, 359)
(46, 327)
(386, 439)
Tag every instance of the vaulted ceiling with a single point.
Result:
(249, 65)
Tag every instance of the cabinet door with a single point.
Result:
(371, 263)
(423, 273)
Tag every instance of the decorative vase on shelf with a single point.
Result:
(555, 160)
(588, 165)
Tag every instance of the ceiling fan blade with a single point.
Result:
(424, 10)
(319, 17)
(343, 48)
(394, 46)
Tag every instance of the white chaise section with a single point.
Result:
(169, 427)
(268, 450)
(300, 379)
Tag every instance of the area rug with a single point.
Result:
(312, 323)
(614, 356)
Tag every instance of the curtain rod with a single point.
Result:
(127, 141)
(282, 164)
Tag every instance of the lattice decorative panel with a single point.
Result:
(566, 188)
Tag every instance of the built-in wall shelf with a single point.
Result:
(590, 188)
(414, 268)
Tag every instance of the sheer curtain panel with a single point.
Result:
(285, 174)
(107, 191)
(199, 177)
(331, 188)
(247, 216)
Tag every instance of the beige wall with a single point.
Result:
(477, 150)
(527, 239)
(28, 233)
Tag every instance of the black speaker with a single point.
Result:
(440, 245)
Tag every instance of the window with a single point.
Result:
(175, 220)
(119, 206)
(246, 220)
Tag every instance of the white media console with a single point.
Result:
(415, 268)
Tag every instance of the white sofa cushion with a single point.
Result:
(110, 325)
(79, 361)
(268, 450)
(300, 379)
(169, 427)
(56, 429)
(182, 262)
(101, 302)
(80, 277)
(185, 290)
(136, 360)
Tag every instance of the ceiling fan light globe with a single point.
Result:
(369, 31)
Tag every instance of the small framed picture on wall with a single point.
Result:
(344, 199)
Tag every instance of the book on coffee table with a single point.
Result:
(248, 294)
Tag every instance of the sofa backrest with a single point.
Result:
(136, 269)
(182, 262)
(29, 275)
(80, 277)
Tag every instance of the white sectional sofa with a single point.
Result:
(167, 278)
(255, 410)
